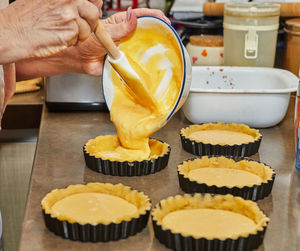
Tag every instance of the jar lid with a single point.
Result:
(207, 40)
(252, 9)
(292, 25)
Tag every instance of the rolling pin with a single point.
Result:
(286, 9)
(133, 77)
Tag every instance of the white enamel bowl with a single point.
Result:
(256, 96)
(187, 68)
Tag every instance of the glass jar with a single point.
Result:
(250, 33)
(206, 50)
(292, 53)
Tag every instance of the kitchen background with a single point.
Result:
(199, 24)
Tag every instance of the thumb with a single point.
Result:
(124, 28)
(93, 68)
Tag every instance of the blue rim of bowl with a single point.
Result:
(184, 66)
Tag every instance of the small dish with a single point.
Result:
(169, 33)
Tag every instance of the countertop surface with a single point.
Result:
(59, 162)
(30, 98)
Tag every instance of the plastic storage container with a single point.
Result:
(292, 53)
(250, 34)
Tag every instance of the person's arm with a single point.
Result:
(33, 28)
(88, 56)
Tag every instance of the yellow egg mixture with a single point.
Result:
(224, 177)
(209, 223)
(221, 137)
(154, 54)
(90, 207)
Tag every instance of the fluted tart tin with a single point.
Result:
(212, 147)
(98, 231)
(128, 168)
(183, 241)
(250, 189)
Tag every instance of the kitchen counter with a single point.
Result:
(59, 162)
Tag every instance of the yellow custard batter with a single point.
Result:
(221, 137)
(208, 223)
(93, 207)
(224, 177)
(135, 121)
(108, 147)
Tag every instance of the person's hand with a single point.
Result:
(90, 54)
(39, 28)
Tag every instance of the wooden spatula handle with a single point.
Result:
(286, 9)
(107, 42)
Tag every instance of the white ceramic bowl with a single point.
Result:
(187, 68)
(256, 96)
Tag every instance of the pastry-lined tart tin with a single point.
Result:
(237, 150)
(254, 192)
(184, 242)
(127, 168)
(100, 232)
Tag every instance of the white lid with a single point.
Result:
(252, 9)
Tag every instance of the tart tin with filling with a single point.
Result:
(251, 192)
(99, 231)
(203, 148)
(156, 163)
(185, 242)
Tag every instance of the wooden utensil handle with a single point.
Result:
(289, 9)
(286, 9)
(213, 9)
(105, 39)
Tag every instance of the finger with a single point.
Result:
(88, 12)
(124, 28)
(139, 12)
(84, 29)
(72, 32)
(121, 16)
(93, 68)
(98, 4)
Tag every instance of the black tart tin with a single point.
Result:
(96, 233)
(179, 242)
(126, 168)
(200, 149)
(256, 192)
